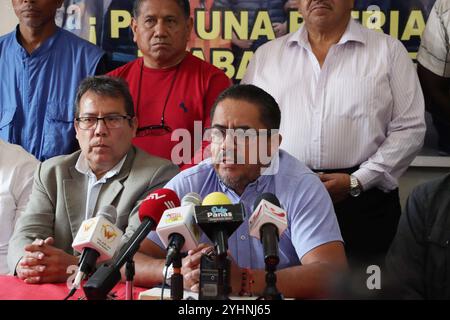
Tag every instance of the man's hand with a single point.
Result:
(43, 263)
(280, 29)
(291, 4)
(337, 184)
(191, 266)
(243, 44)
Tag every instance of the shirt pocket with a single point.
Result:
(6, 119)
(58, 131)
(351, 97)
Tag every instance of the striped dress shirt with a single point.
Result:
(364, 107)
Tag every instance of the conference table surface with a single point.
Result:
(12, 288)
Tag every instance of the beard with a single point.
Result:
(236, 183)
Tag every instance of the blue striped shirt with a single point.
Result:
(311, 218)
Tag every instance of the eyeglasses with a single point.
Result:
(111, 122)
(218, 135)
(158, 129)
(154, 130)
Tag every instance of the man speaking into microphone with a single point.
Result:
(70, 189)
(245, 123)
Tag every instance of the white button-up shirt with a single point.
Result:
(16, 180)
(434, 51)
(363, 107)
(94, 185)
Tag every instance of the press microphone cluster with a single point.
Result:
(150, 211)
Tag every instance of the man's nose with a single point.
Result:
(228, 142)
(101, 129)
(160, 28)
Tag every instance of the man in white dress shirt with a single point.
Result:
(16, 179)
(352, 110)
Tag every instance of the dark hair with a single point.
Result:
(183, 4)
(108, 87)
(269, 110)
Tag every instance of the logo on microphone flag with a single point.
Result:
(109, 232)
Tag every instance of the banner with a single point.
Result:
(227, 32)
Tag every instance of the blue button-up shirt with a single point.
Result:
(37, 91)
(310, 214)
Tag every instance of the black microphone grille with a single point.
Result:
(268, 197)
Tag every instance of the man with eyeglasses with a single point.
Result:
(171, 88)
(245, 122)
(67, 190)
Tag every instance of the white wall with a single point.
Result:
(8, 18)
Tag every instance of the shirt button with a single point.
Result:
(243, 237)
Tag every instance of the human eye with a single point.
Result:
(114, 120)
(150, 21)
(88, 120)
(171, 21)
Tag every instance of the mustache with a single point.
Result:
(315, 3)
(98, 143)
(228, 157)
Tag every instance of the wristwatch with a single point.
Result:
(169, 273)
(355, 187)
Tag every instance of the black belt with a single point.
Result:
(347, 170)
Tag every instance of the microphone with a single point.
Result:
(177, 228)
(267, 223)
(150, 211)
(218, 219)
(97, 239)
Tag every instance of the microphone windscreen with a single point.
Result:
(109, 213)
(216, 198)
(191, 198)
(156, 203)
(268, 197)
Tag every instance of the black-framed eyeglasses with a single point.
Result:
(239, 135)
(156, 129)
(111, 122)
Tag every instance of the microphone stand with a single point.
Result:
(176, 280)
(223, 278)
(129, 274)
(270, 291)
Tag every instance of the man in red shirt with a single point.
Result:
(171, 88)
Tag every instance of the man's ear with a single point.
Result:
(190, 25)
(75, 125)
(134, 28)
(134, 125)
(275, 142)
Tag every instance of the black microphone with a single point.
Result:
(150, 211)
(267, 223)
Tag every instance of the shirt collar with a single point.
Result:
(353, 33)
(82, 167)
(44, 47)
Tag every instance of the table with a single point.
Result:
(12, 288)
